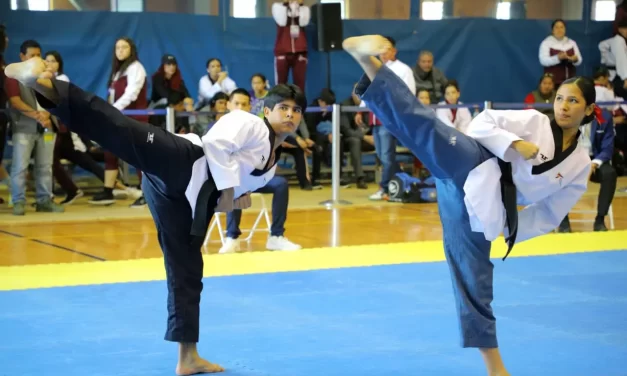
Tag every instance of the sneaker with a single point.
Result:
(49, 206)
(19, 208)
(103, 198)
(139, 203)
(361, 183)
(281, 243)
(230, 246)
(378, 196)
(69, 199)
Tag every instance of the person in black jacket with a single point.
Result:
(168, 89)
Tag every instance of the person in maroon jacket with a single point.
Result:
(127, 91)
(290, 47)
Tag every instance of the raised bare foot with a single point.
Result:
(195, 366)
(27, 72)
(367, 45)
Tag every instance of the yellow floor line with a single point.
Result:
(75, 274)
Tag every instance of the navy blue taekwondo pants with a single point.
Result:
(450, 156)
(166, 160)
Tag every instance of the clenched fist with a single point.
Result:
(243, 202)
(526, 149)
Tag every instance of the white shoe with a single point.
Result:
(280, 243)
(377, 196)
(230, 246)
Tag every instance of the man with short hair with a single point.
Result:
(428, 77)
(32, 130)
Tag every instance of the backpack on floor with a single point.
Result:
(408, 189)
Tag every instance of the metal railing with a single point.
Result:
(336, 111)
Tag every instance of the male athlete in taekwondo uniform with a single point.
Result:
(187, 178)
(506, 158)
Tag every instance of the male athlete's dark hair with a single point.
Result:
(239, 91)
(28, 44)
(586, 85)
(283, 92)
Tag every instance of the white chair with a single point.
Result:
(215, 222)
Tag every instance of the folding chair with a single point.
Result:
(215, 223)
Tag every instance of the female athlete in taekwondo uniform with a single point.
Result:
(506, 158)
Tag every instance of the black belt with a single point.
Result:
(508, 195)
(205, 205)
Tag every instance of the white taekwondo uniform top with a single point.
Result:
(548, 186)
(238, 148)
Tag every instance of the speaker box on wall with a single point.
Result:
(328, 20)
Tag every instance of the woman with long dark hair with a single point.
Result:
(506, 158)
(127, 91)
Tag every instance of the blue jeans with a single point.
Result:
(385, 147)
(280, 198)
(23, 146)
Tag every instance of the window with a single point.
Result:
(432, 10)
(503, 10)
(342, 11)
(244, 8)
(130, 6)
(604, 10)
(41, 5)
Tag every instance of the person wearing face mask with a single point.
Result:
(458, 118)
(507, 158)
(187, 178)
(290, 46)
(559, 55)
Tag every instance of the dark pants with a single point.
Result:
(299, 161)
(280, 198)
(297, 62)
(166, 160)
(606, 176)
(467, 252)
(64, 149)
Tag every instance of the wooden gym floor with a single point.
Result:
(86, 233)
